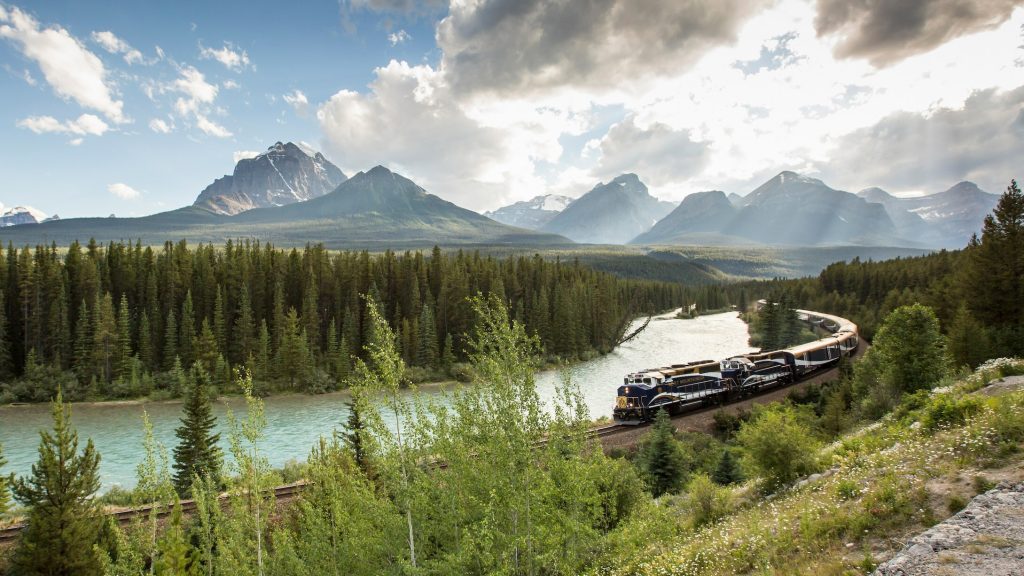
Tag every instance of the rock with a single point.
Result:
(984, 539)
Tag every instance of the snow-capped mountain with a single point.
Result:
(531, 214)
(952, 215)
(284, 174)
(20, 215)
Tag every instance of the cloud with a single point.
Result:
(497, 46)
(231, 58)
(410, 121)
(84, 125)
(197, 100)
(67, 65)
(229, 84)
(663, 156)
(123, 191)
(211, 128)
(885, 31)
(160, 126)
(296, 99)
(243, 154)
(115, 45)
(981, 142)
(400, 8)
(396, 38)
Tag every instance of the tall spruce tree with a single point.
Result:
(197, 453)
(355, 432)
(660, 460)
(63, 520)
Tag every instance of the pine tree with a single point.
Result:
(170, 341)
(448, 357)
(263, 352)
(63, 520)
(968, 340)
(728, 470)
(207, 349)
(6, 365)
(146, 342)
(427, 353)
(197, 453)
(245, 326)
(123, 362)
(355, 432)
(661, 462)
(220, 326)
(187, 330)
(104, 337)
(293, 356)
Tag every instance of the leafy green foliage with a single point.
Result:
(778, 445)
(912, 348)
(728, 470)
(5, 498)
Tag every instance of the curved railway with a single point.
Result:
(687, 411)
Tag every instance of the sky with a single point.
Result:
(132, 108)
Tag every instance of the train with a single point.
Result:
(682, 387)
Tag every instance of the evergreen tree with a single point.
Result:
(220, 326)
(123, 361)
(6, 365)
(661, 463)
(170, 341)
(104, 337)
(197, 453)
(63, 520)
(427, 353)
(969, 343)
(187, 331)
(146, 342)
(207, 349)
(448, 357)
(355, 432)
(245, 327)
(174, 557)
(728, 470)
(293, 356)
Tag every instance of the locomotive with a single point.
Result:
(682, 387)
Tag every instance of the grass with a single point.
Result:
(876, 495)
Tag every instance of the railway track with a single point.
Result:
(288, 491)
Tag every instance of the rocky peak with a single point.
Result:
(282, 175)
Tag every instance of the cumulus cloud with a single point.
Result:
(84, 125)
(68, 66)
(497, 46)
(410, 121)
(884, 31)
(243, 154)
(123, 191)
(111, 43)
(981, 142)
(196, 100)
(160, 126)
(296, 99)
(663, 156)
(232, 59)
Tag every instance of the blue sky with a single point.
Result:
(134, 107)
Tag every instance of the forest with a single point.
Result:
(124, 320)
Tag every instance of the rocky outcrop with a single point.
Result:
(984, 539)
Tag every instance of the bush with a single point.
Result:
(949, 411)
(778, 446)
(706, 501)
(462, 372)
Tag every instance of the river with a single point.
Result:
(295, 422)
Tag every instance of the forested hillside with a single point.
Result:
(124, 320)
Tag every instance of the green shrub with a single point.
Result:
(779, 447)
(982, 484)
(706, 501)
(945, 409)
(955, 503)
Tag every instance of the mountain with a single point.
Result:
(702, 212)
(735, 199)
(21, 215)
(951, 216)
(788, 210)
(791, 209)
(284, 174)
(531, 214)
(373, 209)
(612, 213)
